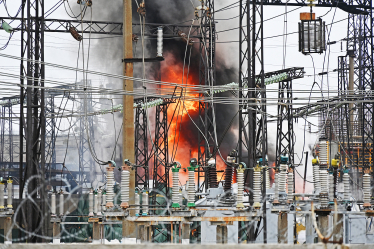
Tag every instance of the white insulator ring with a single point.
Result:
(175, 197)
(316, 179)
(276, 186)
(257, 186)
(331, 188)
(240, 181)
(61, 204)
(96, 204)
(159, 42)
(290, 186)
(347, 187)
(137, 203)
(191, 186)
(110, 187)
(268, 180)
(145, 203)
(125, 186)
(282, 177)
(323, 176)
(323, 152)
(366, 188)
(53, 203)
(90, 204)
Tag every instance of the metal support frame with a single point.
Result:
(161, 156)
(285, 133)
(86, 139)
(206, 141)
(7, 144)
(252, 121)
(50, 133)
(141, 149)
(32, 126)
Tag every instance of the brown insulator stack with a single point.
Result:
(212, 171)
(228, 178)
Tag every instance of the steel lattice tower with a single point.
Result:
(206, 141)
(141, 149)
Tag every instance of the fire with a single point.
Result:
(182, 140)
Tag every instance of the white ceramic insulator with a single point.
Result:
(331, 188)
(323, 177)
(347, 187)
(276, 186)
(191, 186)
(324, 202)
(137, 203)
(317, 183)
(53, 203)
(145, 203)
(256, 186)
(98, 203)
(104, 202)
(240, 181)
(125, 186)
(366, 188)
(290, 186)
(175, 194)
(2, 186)
(10, 195)
(323, 153)
(61, 204)
(110, 186)
(159, 41)
(95, 205)
(90, 204)
(282, 177)
(268, 180)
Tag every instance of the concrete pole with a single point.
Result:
(282, 228)
(338, 229)
(96, 234)
(56, 232)
(186, 230)
(128, 228)
(8, 230)
(309, 230)
(323, 225)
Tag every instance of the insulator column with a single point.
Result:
(316, 180)
(145, 202)
(267, 179)
(175, 189)
(290, 186)
(99, 206)
(366, 190)
(324, 196)
(10, 193)
(191, 187)
(53, 204)
(282, 177)
(276, 189)
(125, 187)
(159, 41)
(331, 188)
(104, 201)
(229, 174)
(2, 187)
(110, 186)
(240, 181)
(61, 203)
(257, 187)
(96, 209)
(137, 203)
(323, 152)
(90, 203)
(347, 187)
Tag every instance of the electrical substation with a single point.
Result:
(138, 121)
